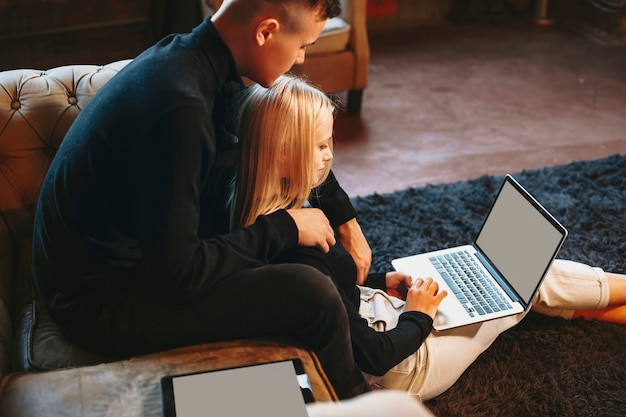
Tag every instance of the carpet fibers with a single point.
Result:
(544, 366)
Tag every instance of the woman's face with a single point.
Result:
(322, 153)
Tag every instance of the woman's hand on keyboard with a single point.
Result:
(424, 296)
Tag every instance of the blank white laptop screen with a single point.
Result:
(519, 247)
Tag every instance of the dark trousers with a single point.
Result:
(281, 301)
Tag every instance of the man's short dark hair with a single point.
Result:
(329, 8)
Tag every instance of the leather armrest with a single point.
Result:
(132, 387)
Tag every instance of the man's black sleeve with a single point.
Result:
(333, 201)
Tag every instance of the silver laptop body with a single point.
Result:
(512, 253)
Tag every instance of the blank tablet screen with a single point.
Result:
(273, 389)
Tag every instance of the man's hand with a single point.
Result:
(353, 240)
(313, 228)
(424, 296)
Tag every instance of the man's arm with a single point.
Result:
(355, 243)
(313, 229)
(336, 205)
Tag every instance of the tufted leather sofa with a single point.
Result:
(36, 110)
(339, 59)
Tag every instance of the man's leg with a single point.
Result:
(290, 301)
(296, 302)
(287, 300)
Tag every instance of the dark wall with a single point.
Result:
(43, 34)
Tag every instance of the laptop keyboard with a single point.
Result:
(469, 283)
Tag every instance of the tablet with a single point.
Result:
(274, 389)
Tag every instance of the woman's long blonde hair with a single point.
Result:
(277, 134)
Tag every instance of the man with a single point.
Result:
(132, 251)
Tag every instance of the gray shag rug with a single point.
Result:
(544, 366)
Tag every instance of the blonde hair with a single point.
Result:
(277, 135)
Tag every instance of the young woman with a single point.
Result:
(286, 152)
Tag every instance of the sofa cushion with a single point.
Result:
(7, 271)
(38, 343)
(16, 285)
(6, 338)
(42, 346)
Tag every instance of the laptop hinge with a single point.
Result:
(498, 277)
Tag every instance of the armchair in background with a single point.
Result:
(339, 60)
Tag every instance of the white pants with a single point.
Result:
(445, 355)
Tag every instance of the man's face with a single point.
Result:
(286, 48)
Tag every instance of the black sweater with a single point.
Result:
(377, 352)
(137, 195)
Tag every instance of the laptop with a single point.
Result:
(275, 389)
(500, 272)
